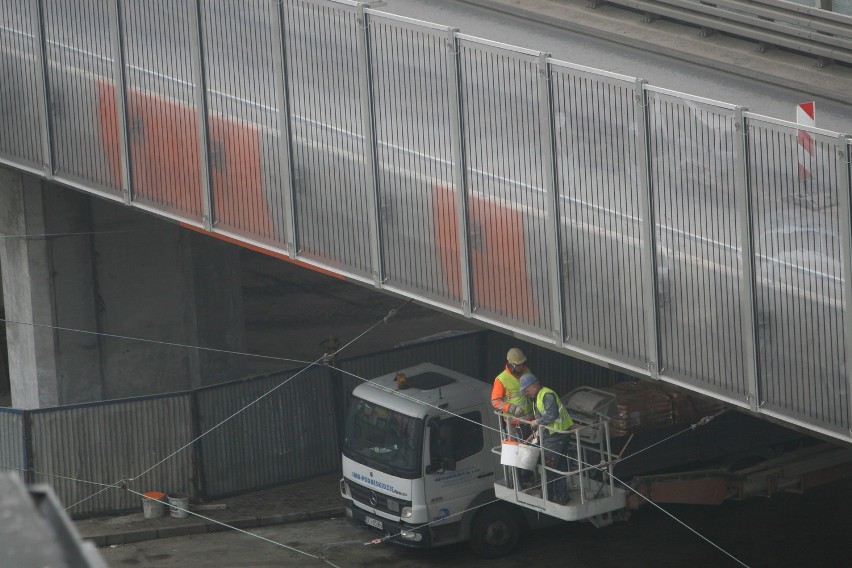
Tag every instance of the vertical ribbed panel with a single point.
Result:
(412, 107)
(106, 442)
(503, 155)
(799, 294)
(692, 180)
(328, 147)
(12, 441)
(79, 61)
(599, 195)
(20, 116)
(239, 47)
(162, 116)
(691, 146)
(287, 435)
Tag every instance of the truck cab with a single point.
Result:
(418, 465)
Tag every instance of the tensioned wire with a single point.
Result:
(385, 319)
(123, 483)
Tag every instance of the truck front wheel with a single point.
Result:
(495, 531)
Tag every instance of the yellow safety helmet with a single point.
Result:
(515, 356)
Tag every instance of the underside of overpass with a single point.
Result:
(92, 274)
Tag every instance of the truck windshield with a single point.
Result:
(383, 439)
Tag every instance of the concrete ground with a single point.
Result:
(310, 499)
(787, 530)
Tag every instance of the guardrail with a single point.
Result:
(803, 29)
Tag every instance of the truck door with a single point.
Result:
(459, 466)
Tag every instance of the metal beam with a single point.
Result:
(370, 145)
(285, 148)
(199, 71)
(552, 218)
(648, 228)
(459, 167)
(744, 234)
(844, 187)
(45, 105)
(120, 86)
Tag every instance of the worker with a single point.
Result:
(555, 439)
(506, 395)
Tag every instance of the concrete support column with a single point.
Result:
(27, 292)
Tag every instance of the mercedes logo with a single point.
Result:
(373, 499)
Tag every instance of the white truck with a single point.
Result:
(422, 465)
(419, 464)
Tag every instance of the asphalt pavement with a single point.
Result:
(716, 51)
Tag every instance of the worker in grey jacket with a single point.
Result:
(550, 413)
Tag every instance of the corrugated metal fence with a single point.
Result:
(234, 437)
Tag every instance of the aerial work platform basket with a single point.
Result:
(591, 486)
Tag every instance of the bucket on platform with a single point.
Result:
(528, 456)
(152, 504)
(509, 453)
(179, 505)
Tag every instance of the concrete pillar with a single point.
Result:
(27, 293)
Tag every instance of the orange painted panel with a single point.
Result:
(164, 154)
(446, 236)
(498, 264)
(238, 197)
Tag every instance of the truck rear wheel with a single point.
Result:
(495, 531)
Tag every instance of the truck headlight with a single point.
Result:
(344, 488)
(411, 535)
(406, 513)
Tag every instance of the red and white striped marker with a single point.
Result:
(805, 117)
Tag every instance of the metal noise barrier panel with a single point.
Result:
(245, 162)
(328, 142)
(800, 283)
(21, 91)
(692, 146)
(596, 165)
(412, 98)
(79, 64)
(287, 435)
(501, 124)
(110, 441)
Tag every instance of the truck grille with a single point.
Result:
(383, 502)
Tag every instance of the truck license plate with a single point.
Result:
(374, 523)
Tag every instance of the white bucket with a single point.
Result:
(528, 456)
(179, 505)
(152, 504)
(509, 454)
